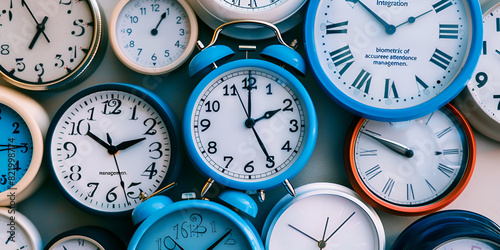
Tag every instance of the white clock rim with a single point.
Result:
(23, 222)
(193, 35)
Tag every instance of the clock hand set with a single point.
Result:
(112, 150)
(389, 28)
(413, 19)
(40, 27)
(216, 243)
(341, 225)
(122, 183)
(154, 31)
(392, 145)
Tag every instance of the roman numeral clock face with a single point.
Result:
(412, 166)
(378, 57)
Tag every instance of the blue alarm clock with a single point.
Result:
(111, 142)
(393, 60)
(451, 229)
(195, 224)
(249, 124)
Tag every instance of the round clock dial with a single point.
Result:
(107, 145)
(388, 63)
(252, 5)
(48, 44)
(249, 124)
(17, 231)
(469, 243)
(153, 37)
(85, 238)
(412, 167)
(309, 221)
(17, 147)
(77, 243)
(479, 101)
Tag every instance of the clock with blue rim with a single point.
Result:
(109, 143)
(451, 229)
(196, 224)
(393, 61)
(23, 123)
(249, 124)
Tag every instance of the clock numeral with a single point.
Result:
(270, 162)
(76, 127)
(134, 19)
(429, 185)
(390, 88)
(4, 49)
(156, 149)
(420, 83)
(212, 147)
(389, 185)
(286, 147)
(441, 59)
(155, 7)
(134, 113)
(130, 194)
(40, 69)
(78, 24)
(498, 24)
(368, 152)
(73, 53)
(75, 173)
(336, 28)
(372, 172)
(453, 151)
(229, 240)
(205, 123)
(448, 171)
(448, 31)
(92, 192)
(229, 159)
(364, 79)
(111, 196)
(288, 106)
(497, 97)
(342, 56)
(409, 192)
(60, 62)
(113, 105)
(443, 132)
(249, 168)
(249, 83)
(295, 126)
(485, 48)
(150, 123)
(20, 64)
(227, 88)
(481, 79)
(212, 106)
(441, 5)
(150, 171)
(15, 125)
(71, 148)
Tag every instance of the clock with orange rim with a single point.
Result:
(412, 167)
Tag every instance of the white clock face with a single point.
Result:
(44, 41)
(249, 125)
(392, 55)
(468, 244)
(485, 82)
(327, 221)
(107, 148)
(428, 169)
(13, 235)
(152, 33)
(76, 243)
(196, 228)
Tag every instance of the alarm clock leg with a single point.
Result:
(207, 186)
(289, 187)
(262, 195)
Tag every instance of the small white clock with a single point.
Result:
(17, 232)
(153, 37)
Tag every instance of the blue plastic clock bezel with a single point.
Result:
(310, 134)
(435, 229)
(164, 111)
(410, 113)
(247, 228)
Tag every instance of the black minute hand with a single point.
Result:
(219, 240)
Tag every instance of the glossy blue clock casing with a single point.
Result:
(311, 132)
(435, 229)
(420, 110)
(166, 113)
(157, 207)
